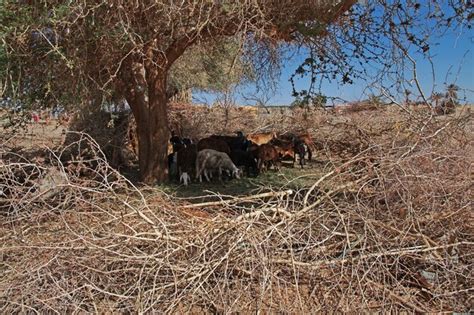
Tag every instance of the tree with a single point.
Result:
(436, 97)
(112, 49)
(379, 43)
(450, 101)
(314, 99)
(213, 68)
(452, 93)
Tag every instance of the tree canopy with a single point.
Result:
(86, 43)
(113, 49)
(85, 52)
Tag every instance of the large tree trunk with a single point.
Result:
(148, 100)
(146, 84)
(153, 135)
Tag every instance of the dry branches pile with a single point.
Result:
(389, 226)
(193, 121)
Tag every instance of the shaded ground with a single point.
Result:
(40, 135)
(287, 178)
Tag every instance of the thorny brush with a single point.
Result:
(388, 227)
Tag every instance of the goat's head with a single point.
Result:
(236, 172)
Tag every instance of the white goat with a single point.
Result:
(185, 178)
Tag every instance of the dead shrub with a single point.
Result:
(387, 227)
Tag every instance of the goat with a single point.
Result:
(213, 144)
(300, 150)
(290, 147)
(304, 138)
(245, 159)
(234, 143)
(268, 155)
(308, 141)
(284, 148)
(261, 138)
(187, 141)
(253, 149)
(172, 165)
(186, 162)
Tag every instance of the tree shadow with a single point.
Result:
(287, 178)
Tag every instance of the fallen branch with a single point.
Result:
(241, 199)
(412, 250)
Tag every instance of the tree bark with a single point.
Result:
(146, 83)
(146, 94)
(155, 135)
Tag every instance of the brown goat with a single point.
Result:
(213, 144)
(304, 138)
(267, 156)
(284, 148)
(261, 138)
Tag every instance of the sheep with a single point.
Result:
(209, 159)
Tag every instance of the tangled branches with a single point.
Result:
(389, 226)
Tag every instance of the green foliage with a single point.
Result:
(311, 30)
(89, 51)
(374, 100)
(304, 100)
(214, 67)
(13, 16)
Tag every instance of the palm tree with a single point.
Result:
(452, 93)
(436, 97)
(448, 101)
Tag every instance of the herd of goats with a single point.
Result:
(234, 155)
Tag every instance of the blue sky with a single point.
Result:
(453, 60)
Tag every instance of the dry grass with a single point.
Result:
(387, 227)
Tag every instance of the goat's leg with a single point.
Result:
(198, 171)
(277, 165)
(200, 168)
